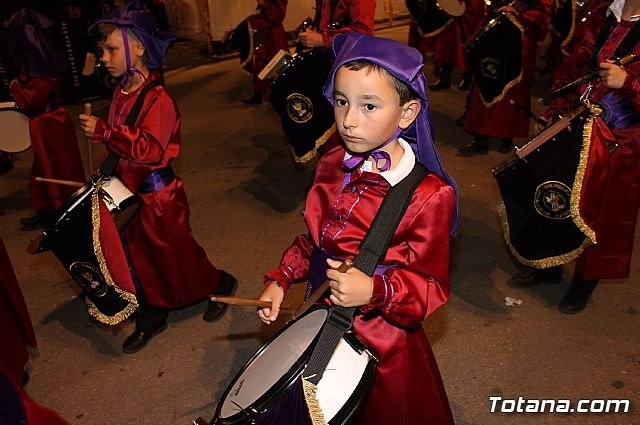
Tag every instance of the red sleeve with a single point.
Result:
(147, 141)
(537, 18)
(407, 294)
(361, 14)
(294, 265)
(31, 94)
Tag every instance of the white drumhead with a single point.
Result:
(340, 379)
(117, 192)
(15, 136)
(272, 363)
(453, 8)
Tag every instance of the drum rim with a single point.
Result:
(264, 402)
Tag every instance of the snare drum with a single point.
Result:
(270, 382)
(433, 16)
(103, 274)
(306, 116)
(15, 129)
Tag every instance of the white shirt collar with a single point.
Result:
(398, 172)
(616, 8)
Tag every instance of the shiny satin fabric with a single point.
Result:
(449, 43)
(56, 153)
(407, 385)
(616, 222)
(502, 120)
(16, 332)
(172, 268)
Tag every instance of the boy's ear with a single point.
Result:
(410, 111)
(138, 48)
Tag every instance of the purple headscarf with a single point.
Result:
(136, 17)
(405, 63)
(31, 47)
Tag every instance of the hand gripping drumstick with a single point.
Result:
(244, 301)
(87, 111)
(318, 293)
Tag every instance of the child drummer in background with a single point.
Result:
(56, 154)
(170, 268)
(382, 114)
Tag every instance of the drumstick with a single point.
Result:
(318, 293)
(62, 182)
(248, 302)
(87, 111)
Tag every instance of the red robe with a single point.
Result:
(449, 44)
(408, 389)
(172, 268)
(502, 120)
(56, 154)
(269, 23)
(16, 330)
(351, 15)
(615, 228)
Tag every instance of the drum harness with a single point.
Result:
(372, 249)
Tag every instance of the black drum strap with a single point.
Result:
(109, 165)
(372, 249)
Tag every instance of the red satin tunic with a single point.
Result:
(56, 154)
(171, 267)
(408, 389)
(351, 15)
(610, 258)
(269, 20)
(502, 120)
(16, 331)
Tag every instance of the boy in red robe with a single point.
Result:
(170, 268)
(56, 154)
(382, 114)
(605, 36)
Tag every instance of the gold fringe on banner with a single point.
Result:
(311, 397)
(590, 235)
(313, 153)
(97, 250)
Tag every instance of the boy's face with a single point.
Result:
(367, 109)
(113, 55)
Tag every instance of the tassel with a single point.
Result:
(310, 395)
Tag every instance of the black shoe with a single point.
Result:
(573, 303)
(256, 99)
(476, 147)
(137, 340)
(39, 220)
(226, 286)
(464, 84)
(441, 84)
(506, 145)
(534, 277)
(5, 167)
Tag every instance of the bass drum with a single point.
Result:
(494, 55)
(102, 274)
(542, 188)
(305, 114)
(268, 389)
(433, 16)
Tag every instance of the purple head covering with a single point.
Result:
(404, 63)
(136, 17)
(31, 47)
